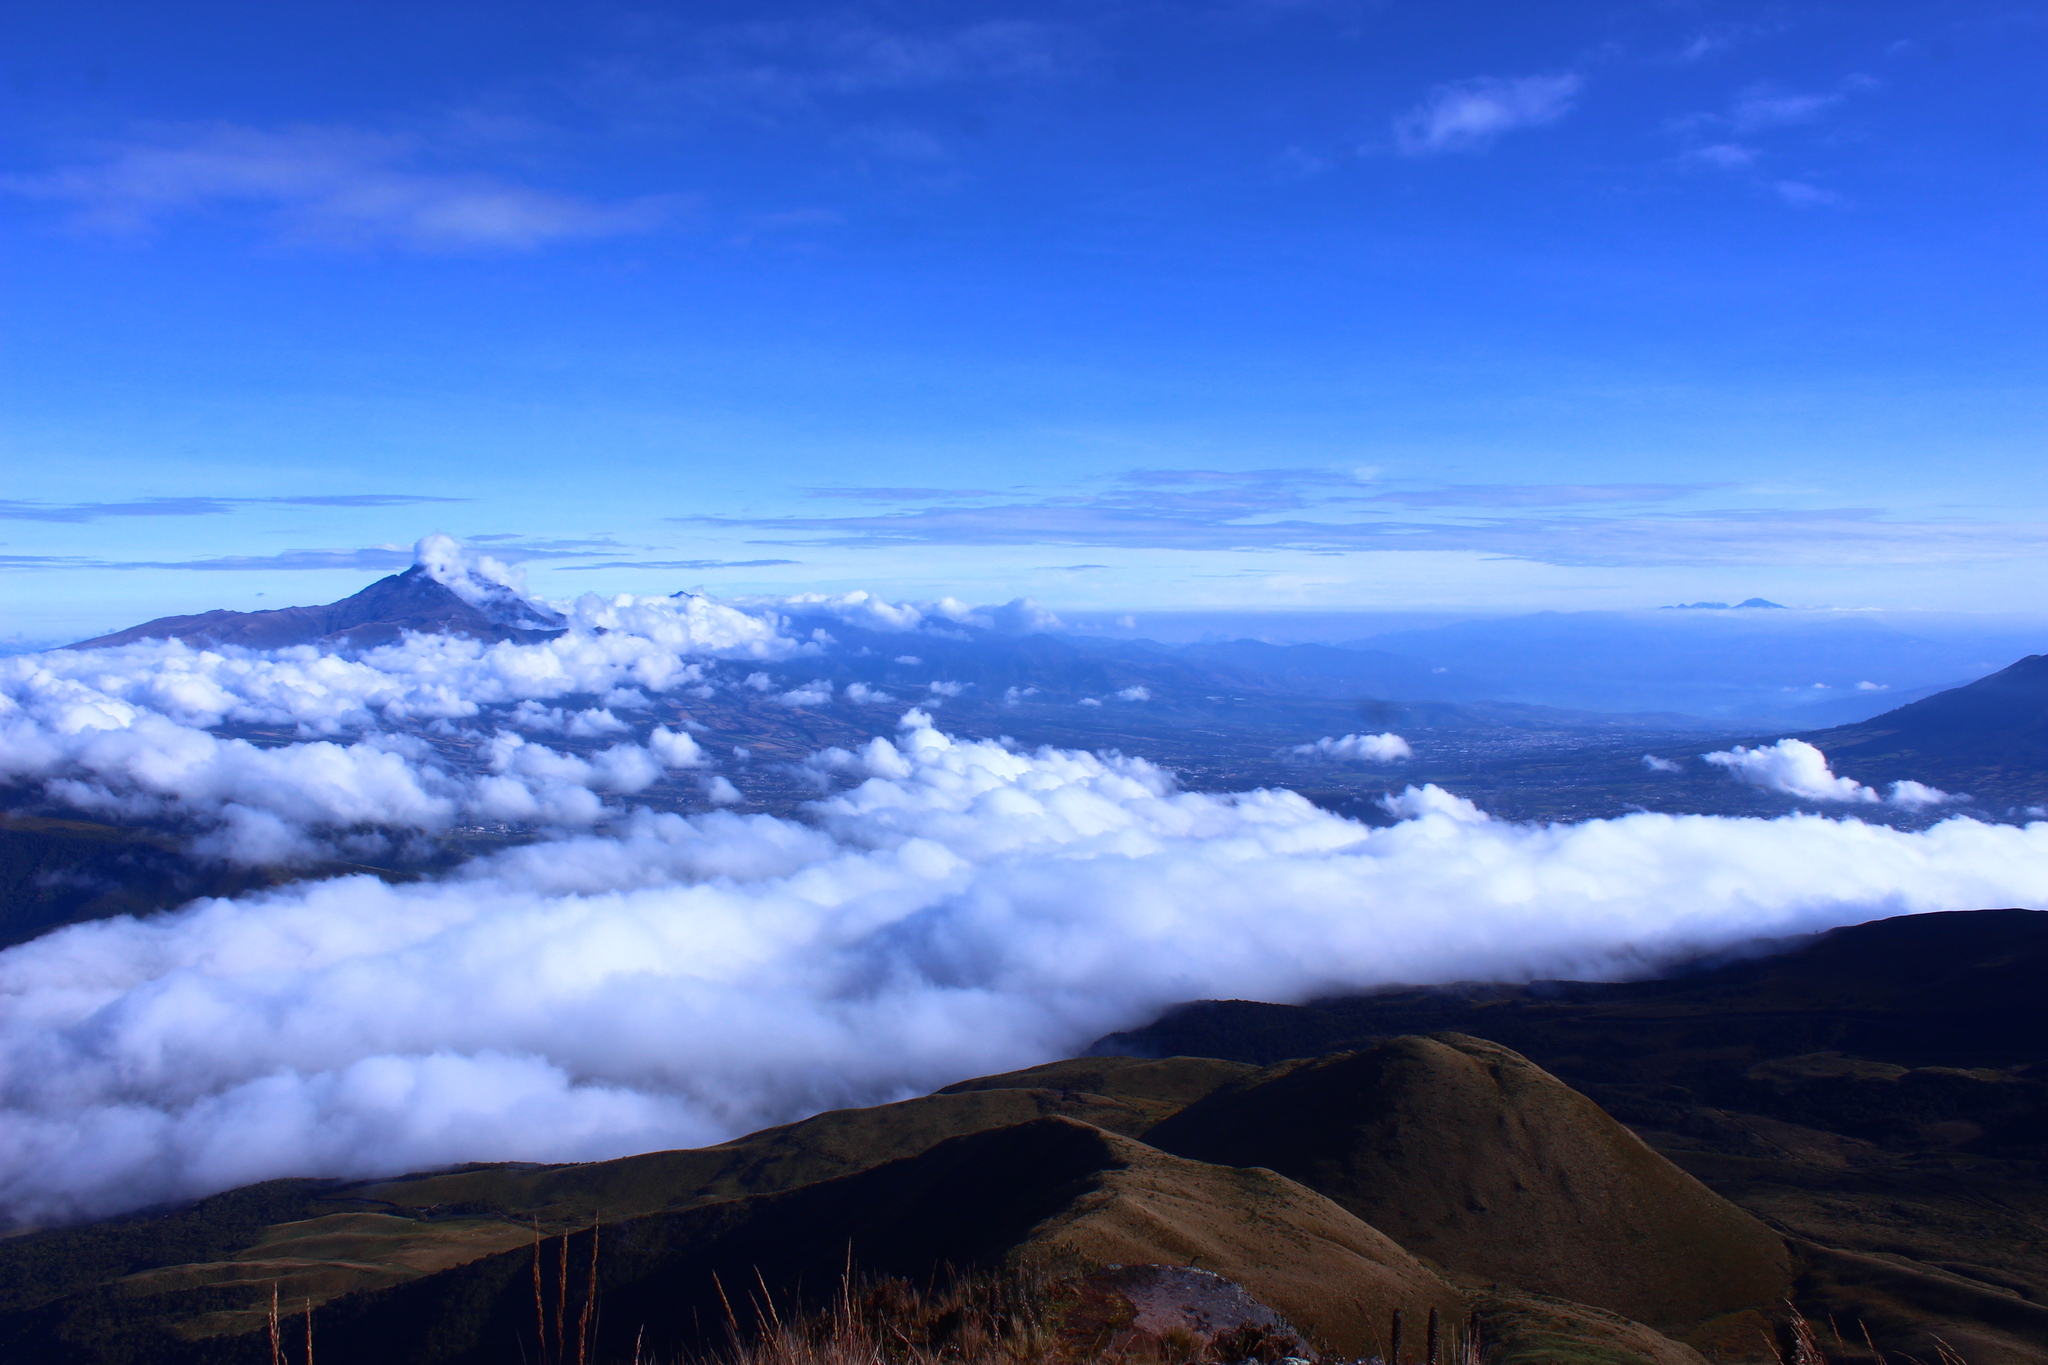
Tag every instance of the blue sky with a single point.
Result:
(1245, 304)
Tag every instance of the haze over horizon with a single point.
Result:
(1287, 306)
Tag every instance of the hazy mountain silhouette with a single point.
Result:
(411, 601)
(1714, 663)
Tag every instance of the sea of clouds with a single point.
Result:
(637, 980)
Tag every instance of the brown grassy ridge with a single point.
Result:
(1408, 1174)
(1032, 1316)
(1037, 1318)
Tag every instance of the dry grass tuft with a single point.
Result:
(1018, 1318)
(962, 1321)
(1801, 1341)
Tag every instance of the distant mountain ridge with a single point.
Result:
(1774, 667)
(380, 614)
(1989, 737)
(1999, 719)
(1749, 603)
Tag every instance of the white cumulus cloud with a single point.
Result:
(1466, 116)
(676, 750)
(815, 693)
(1796, 768)
(1918, 796)
(1383, 748)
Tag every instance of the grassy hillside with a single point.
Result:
(1854, 1124)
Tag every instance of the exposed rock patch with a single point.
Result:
(1168, 1312)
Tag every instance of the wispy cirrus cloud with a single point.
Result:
(1250, 492)
(859, 84)
(1468, 115)
(1761, 108)
(682, 564)
(1244, 491)
(1224, 493)
(1721, 156)
(382, 558)
(784, 64)
(1805, 194)
(513, 545)
(1771, 106)
(12, 510)
(326, 186)
(865, 494)
(513, 549)
(371, 558)
(1714, 40)
(1543, 495)
(1728, 140)
(1594, 525)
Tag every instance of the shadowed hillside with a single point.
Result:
(1878, 1094)
(1989, 737)
(1365, 1171)
(1025, 1173)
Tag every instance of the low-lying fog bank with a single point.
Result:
(964, 909)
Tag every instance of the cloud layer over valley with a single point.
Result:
(964, 909)
(637, 979)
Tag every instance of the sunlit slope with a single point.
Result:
(1396, 1171)
(1044, 1193)
(1467, 1154)
(1051, 1192)
(1121, 1095)
(1879, 1092)
(183, 1271)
